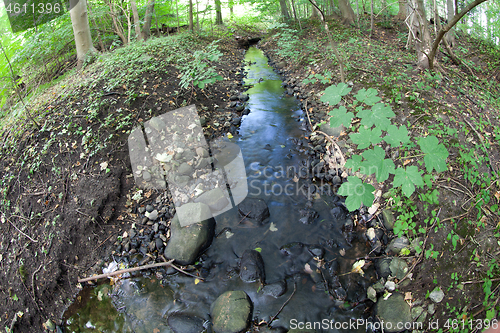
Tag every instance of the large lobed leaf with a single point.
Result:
(378, 115)
(333, 94)
(435, 154)
(407, 179)
(375, 162)
(340, 117)
(357, 193)
(369, 97)
(366, 136)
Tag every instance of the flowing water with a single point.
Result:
(272, 144)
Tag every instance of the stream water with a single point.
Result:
(271, 139)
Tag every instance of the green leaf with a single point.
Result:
(396, 135)
(369, 97)
(378, 115)
(333, 94)
(354, 163)
(365, 137)
(340, 117)
(258, 249)
(357, 193)
(435, 154)
(377, 163)
(407, 179)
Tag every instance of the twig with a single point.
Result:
(31, 239)
(244, 217)
(284, 304)
(181, 270)
(479, 281)
(127, 270)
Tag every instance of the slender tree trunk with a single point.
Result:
(347, 12)
(218, 13)
(372, 25)
(190, 15)
(116, 23)
(402, 10)
(146, 29)
(332, 43)
(177, 11)
(197, 15)
(137, 22)
(450, 35)
(101, 44)
(423, 41)
(81, 29)
(285, 15)
(314, 13)
(295, 14)
(447, 28)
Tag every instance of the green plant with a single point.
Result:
(374, 121)
(198, 71)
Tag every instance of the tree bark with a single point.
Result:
(295, 14)
(447, 28)
(423, 41)
(116, 23)
(146, 29)
(137, 22)
(285, 15)
(401, 16)
(347, 12)
(190, 15)
(314, 14)
(450, 35)
(81, 29)
(218, 13)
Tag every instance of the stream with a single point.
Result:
(310, 255)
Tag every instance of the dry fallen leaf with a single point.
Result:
(357, 267)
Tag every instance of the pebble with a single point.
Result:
(152, 216)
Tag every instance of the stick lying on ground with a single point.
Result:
(127, 270)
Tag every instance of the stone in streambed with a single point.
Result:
(215, 199)
(186, 242)
(183, 323)
(252, 267)
(231, 312)
(254, 208)
(274, 289)
(393, 312)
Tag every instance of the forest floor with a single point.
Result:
(67, 187)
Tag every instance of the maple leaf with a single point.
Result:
(378, 115)
(369, 97)
(340, 117)
(333, 94)
(407, 179)
(365, 137)
(375, 162)
(435, 154)
(396, 135)
(357, 193)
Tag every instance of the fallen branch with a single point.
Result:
(31, 239)
(127, 270)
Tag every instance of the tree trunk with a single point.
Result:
(137, 22)
(450, 35)
(285, 15)
(295, 14)
(146, 29)
(116, 23)
(314, 14)
(190, 15)
(423, 40)
(218, 13)
(347, 12)
(372, 25)
(231, 8)
(447, 28)
(402, 10)
(81, 29)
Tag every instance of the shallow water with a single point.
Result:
(270, 139)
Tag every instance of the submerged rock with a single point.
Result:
(183, 323)
(308, 216)
(252, 267)
(231, 312)
(275, 289)
(254, 208)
